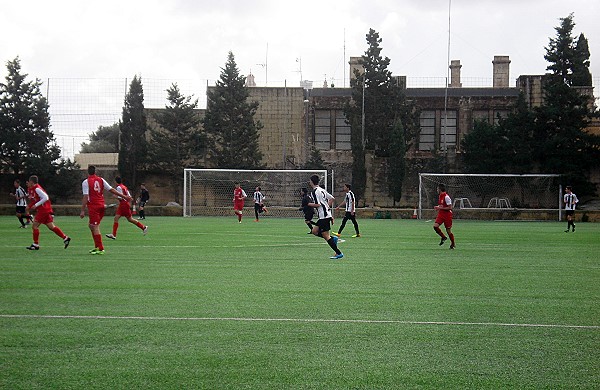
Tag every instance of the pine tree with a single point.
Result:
(27, 145)
(178, 141)
(397, 162)
(103, 140)
(315, 160)
(229, 121)
(133, 126)
(565, 146)
(581, 65)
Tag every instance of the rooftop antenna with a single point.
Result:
(266, 65)
(446, 91)
(344, 59)
(299, 61)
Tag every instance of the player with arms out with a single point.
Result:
(40, 202)
(239, 195)
(570, 200)
(444, 216)
(93, 198)
(124, 210)
(322, 201)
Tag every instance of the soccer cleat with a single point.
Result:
(256, 220)
(452, 246)
(573, 228)
(33, 247)
(96, 251)
(145, 231)
(67, 241)
(356, 235)
(309, 232)
(443, 240)
(111, 236)
(336, 234)
(337, 256)
(23, 226)
(567, 231)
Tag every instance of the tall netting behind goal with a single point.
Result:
(493, 196)
(210, 191)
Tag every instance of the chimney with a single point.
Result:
(501, 71)
(356, 63)
(455, 74)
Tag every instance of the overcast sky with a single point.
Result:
(190, 40)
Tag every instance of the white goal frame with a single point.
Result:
(282, 194)
(503, 203)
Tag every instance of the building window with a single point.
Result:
(427, 133)
(322, 129)
(448, 129)
(342, 131)
(481, 115)
(331, 130)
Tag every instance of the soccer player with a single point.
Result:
(93, 198)
(40, 202)
(350, 202)
(259, 206)
(570, 200)
(143, 199)
(444, 208)
(238, 201)
(322, 201)
(309, 212)
(21, 207)
(124, 210)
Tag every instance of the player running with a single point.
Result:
(322, 201)
(93, 198)
(259, 205)
(124, 210)
(40, 202)
(444, 208)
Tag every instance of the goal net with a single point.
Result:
(493, 196)
(210, 191)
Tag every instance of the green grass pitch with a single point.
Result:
(210, 303)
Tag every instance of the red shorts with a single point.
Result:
(43, 217)
(444, 218)
(124, 210)
(238, 206)
(96, 214)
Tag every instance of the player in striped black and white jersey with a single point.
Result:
(570, 200)
(21, 208)
(322, 203)
(259, 205)
(350, 202)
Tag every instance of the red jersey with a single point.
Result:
(36, 195)
(444, 201)
(94, 187)
(122, 189)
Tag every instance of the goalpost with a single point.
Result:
(210, 191)
(493, 196)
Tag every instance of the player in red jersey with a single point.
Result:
(444, 216)
(40, 202)
(93, 198)
(238, 201)
(124, 210)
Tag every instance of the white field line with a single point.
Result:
(302, 320)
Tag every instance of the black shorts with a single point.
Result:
(570, 212)
(259, 207)
(309, 216)
(20, 209)
(349, 215)
(142, 204)
(324, 224)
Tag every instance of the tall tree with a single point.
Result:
(565, 146)
(133, 126)
(229, 121)
(581, 64)
(396, 162)
(373, 121)
(27, 144)
(178, 141)
(103, 140)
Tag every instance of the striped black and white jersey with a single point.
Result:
(258, 197)
(570, 201)
(322, 197)
(350, 202)
(21, 196)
